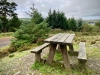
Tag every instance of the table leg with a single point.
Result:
(71, 47)
(65, 56)
(51, 53)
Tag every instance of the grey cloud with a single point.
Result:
(76, 8)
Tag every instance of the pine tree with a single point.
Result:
(57, 19)
(6, 10)
(72, 24)
(14, 24)
(36, 17)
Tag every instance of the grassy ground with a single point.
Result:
(6, 34)
(57, 68)
(13, 56)
(92, 51)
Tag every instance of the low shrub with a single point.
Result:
(29, 34)
(12, 49)
(85, 33)
(93, 42)
(24, 47)
(3, 53)
(11, 55)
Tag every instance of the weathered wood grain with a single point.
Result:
(51, 53)
(39, 48)
(82, 51)
(70, 38)
(38, 51)
(49, 39)
(58, 38)
(61, 40)
(65, 56)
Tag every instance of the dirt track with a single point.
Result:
(4, 41)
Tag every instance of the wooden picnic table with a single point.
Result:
(62, 39)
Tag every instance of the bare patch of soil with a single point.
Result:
(4, 41)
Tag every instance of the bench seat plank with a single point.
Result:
(39, 48)
(82, 51)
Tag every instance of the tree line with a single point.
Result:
(9, 21)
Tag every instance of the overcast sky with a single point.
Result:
(85, 9)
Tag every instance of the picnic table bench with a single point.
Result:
(82, 53)
(38, 51)
(63, 40)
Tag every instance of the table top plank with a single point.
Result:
(70, 38)
(58, 38)
(63, 38)
(49, 39)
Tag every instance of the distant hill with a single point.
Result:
(92, 20)
(25, 19)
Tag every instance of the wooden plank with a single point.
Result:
(82, 51)
(37, 49)
(49, 39)
(38, 57)
(51, 53)
(70, 39)
(65, 56)
(63, 38)
(58, 37)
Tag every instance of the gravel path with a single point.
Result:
(4, 41)
(21, 66)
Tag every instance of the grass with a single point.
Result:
(3, 48)
(57, 68)
(4, 61)
(13, 56)
(6, 34)
(16, 55)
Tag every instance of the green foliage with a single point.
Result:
(36, 17)
(54, 69)
(80, 23)
(14, 24)
(6, 10)
(0, 25)
(57, 68)
(11, 55)
(30, 33)
(72, 24)
(58, 56)
(97, 24)
(57, 19)
(95, 29)
(6, 34)
(86, 28)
